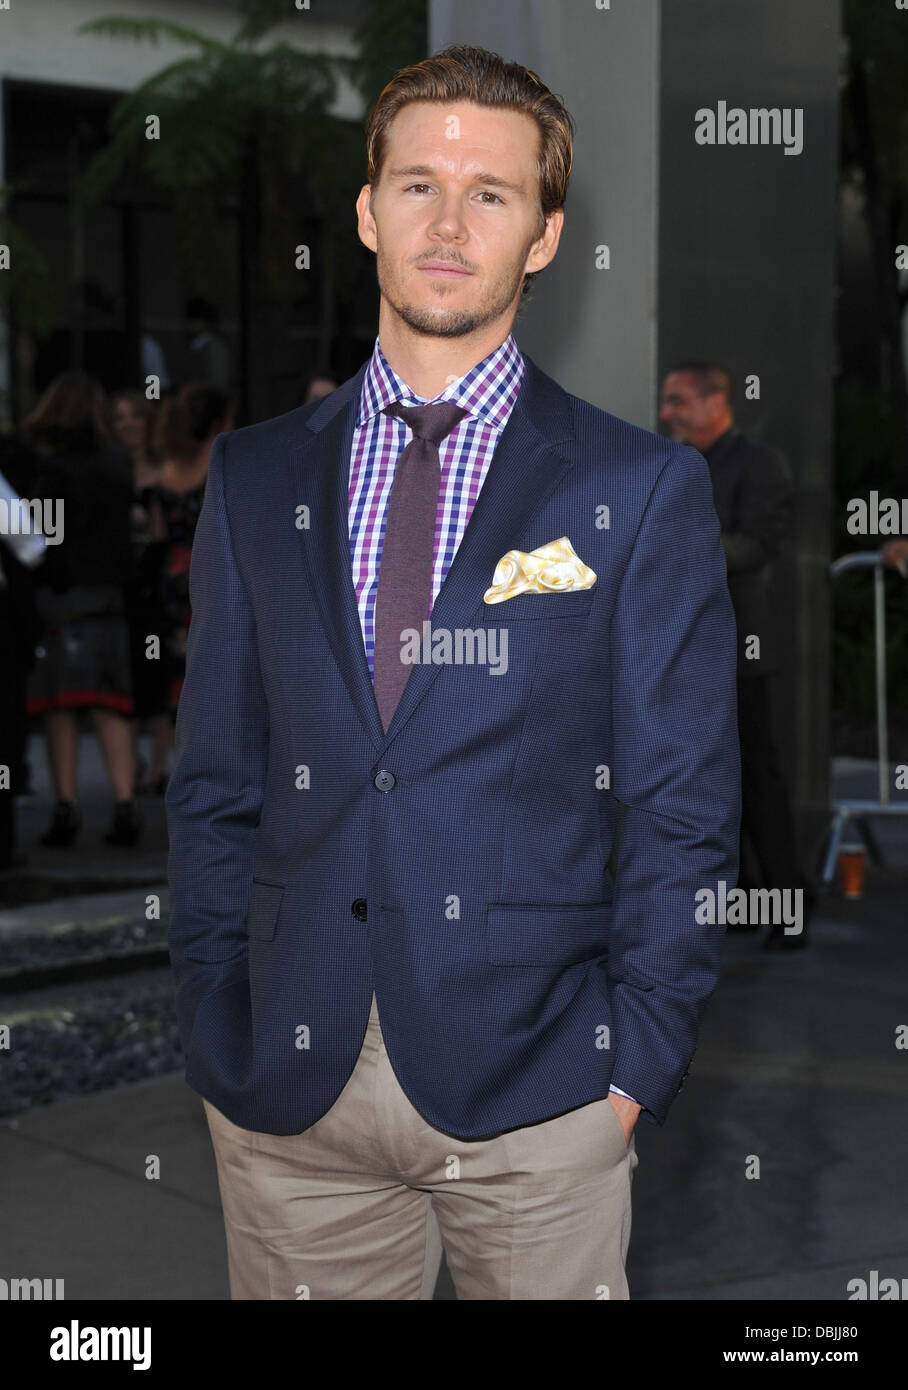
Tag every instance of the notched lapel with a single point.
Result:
(320, 478)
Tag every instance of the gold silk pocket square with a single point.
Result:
(555, 568)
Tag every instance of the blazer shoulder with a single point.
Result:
(601, 435)
(621, 444)
(279, 433)
(253, 445)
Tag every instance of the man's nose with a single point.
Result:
(448, 220)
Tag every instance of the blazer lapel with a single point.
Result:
(526, 467)
(321, 479)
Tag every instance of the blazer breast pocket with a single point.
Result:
(264, 909)
(540, 606)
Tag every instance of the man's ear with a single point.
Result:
(546, 244)
(365, 221)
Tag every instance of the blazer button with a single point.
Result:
(359, 909)
(385, 780)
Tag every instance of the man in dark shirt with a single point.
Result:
(753, 495)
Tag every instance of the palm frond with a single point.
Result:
(123, 27)
(261, 15)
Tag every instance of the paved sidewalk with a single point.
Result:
(89, 865)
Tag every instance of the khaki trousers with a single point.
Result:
(361, 1204)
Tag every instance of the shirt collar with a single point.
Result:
(488, 390)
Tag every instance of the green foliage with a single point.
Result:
(262, 15)
(27, 287)
(125, 27)
(391, 35)
(224, 110)
(249, 127)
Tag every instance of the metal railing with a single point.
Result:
(855, 810)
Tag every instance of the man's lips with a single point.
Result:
(444, 268)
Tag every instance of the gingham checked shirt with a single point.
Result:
(488, 392)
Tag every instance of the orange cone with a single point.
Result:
(852, 863)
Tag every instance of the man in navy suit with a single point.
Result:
(456, 760)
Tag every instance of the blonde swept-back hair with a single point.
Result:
(463, 73)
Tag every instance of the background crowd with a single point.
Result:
(94, 615)
(96, 625)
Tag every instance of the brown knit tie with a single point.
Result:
(404, 598)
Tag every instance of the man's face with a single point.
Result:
(691, 418)
(458, 188)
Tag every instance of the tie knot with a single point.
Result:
(430, 422)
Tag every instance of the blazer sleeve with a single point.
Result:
(677, 773)
(214, 796)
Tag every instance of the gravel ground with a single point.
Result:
(22, 949)
(75, 1039)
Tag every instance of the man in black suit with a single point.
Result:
(753, 495)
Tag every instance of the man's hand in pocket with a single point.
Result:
(627, 1112)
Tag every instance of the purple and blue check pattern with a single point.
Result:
(488, 392)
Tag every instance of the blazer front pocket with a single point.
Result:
(534, 605)
(546, 933)
(264, 909)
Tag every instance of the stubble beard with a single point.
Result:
(439, 322)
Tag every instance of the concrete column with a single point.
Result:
(593, 329)
(747, 246)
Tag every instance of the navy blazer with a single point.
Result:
(466, 865)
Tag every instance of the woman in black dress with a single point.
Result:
(188, 424)
(82, 660)
(132, 422)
